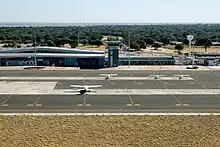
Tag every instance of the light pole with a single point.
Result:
(129, 42)
(35, 52)
(78, 38)
(194, 57)
(79, 30)
(190, 38)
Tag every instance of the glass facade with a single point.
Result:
(113, 57)
(84, 62)
(146, 62)
(140, 60)
(81, 60)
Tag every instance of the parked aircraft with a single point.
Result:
(108, 76)
(181, 76)
(157, 76)
(83, 88)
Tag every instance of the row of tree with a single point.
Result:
(141, 35)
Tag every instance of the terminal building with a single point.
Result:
(114, 59)
(84, 59)
(204, 59)
(208, 59)
(48, 56)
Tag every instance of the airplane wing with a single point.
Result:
(94, 86)
(157, 75)
(108, 74)
(73, 90)
(114, 74)
(77, 86)
(182, 75)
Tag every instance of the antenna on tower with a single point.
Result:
(79, 30)
(83, 22)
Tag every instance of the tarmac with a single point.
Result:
(131, 92)
(120, 68)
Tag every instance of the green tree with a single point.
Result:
(50, 43)
(156, 45)
(58, 42)
(66, 41)
(206, 45)
(165, 40)
(84, 42)
(92, 42)
(149, 41)
(74, 45)
(142, 44)
(179, 48)
(38, 38)
(98, 42)
(14, 44)
(204, 42)
(2, 37)
(95, 42)
(73, 37)
(148, 33)
(135, 45)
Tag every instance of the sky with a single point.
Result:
(110, 11)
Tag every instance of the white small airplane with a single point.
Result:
(108, 76)
(83, 88)
(157, 76)
(181, 76)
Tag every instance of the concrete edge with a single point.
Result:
(120, 68)
(109, 114)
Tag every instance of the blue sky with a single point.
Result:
(105, 11)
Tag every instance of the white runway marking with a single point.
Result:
(109, 114)
(12, 88)
(139, 83)
(32, 105)
(192, 83)
(116, 92)
(91, 78)
(38, 105)
(178, 105)
(165, 86)
(186, 105)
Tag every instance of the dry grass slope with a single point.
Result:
(93, 131)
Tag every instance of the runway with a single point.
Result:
(199, 92)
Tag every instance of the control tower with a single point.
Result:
(113, 53)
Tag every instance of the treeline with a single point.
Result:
(141, 35)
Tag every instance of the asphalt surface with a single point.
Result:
(88, 103)
(125, 103)
(96, 73)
